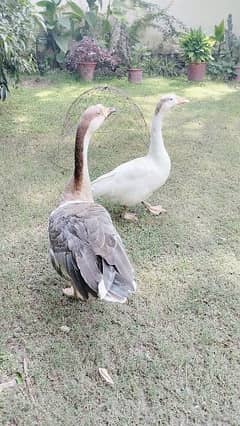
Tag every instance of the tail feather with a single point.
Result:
(113, 287)
(108, 275)
(77, 278)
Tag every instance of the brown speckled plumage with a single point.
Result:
(84, 245)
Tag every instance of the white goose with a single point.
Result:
(135, 181)
(84, 245)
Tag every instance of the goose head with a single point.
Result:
(169, 101)
(95, 115)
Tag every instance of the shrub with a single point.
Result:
(197, 47)
(221, 68)
(226, 52)
(87, 50)
(166, 65)
(17, 38)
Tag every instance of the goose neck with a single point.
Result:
(82, 184)
(157, 147)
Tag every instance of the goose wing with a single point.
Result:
(103, 183)
(85, 245)
(126, 172)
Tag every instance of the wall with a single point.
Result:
(205, 13)
(195, 13)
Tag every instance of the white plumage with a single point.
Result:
(135, 181)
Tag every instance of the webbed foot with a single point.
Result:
(155, 210)
(132, 217)
(71, 292)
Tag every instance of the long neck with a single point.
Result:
(79, 187)
(157, 148)
(82, 184)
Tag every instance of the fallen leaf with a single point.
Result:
(104, 374)
(7, 385)
(27, 379)
(65, 328)
(19, 378)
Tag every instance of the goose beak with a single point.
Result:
(181, 101)
(110, 111)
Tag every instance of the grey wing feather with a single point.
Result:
(86, 245)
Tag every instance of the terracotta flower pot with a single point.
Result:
(86, 70)
(135, 75)
(237, 72)
(197, 72)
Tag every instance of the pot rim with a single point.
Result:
(87, 63)
(197, 63)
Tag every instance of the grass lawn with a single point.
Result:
(173, 350)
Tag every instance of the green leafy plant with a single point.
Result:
(97, 22)
(221, 69)
(236, 51)
(59, 32)
(147, 14)
(170, 66)
(232, 41)
(219, 35)
(17, 38)
(76, 17)
(138, 56)
(219, 32)
(69, 22)
(229, 36)
(197, 47)
(164, 65)
(226, 51)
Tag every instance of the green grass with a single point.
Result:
(173, 351)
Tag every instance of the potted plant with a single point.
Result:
(135, 64)
(197, 48)
(86, 54)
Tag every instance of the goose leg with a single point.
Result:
(71, 292)
(156, 210)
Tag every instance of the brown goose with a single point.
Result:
(84, 245)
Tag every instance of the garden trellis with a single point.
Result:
(124, 128)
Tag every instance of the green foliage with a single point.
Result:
(232, 42)
(60, 29)
(153, 64)
(164, 65)
(219, 31)
(69, 22)
(236, 50)
(93, 4)
(17, 38)
(226, 52)
(97, 23)
(138, 56)
(169, 66)
(221, 68)
(197, 47)
(229, 33)
(147, 15)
